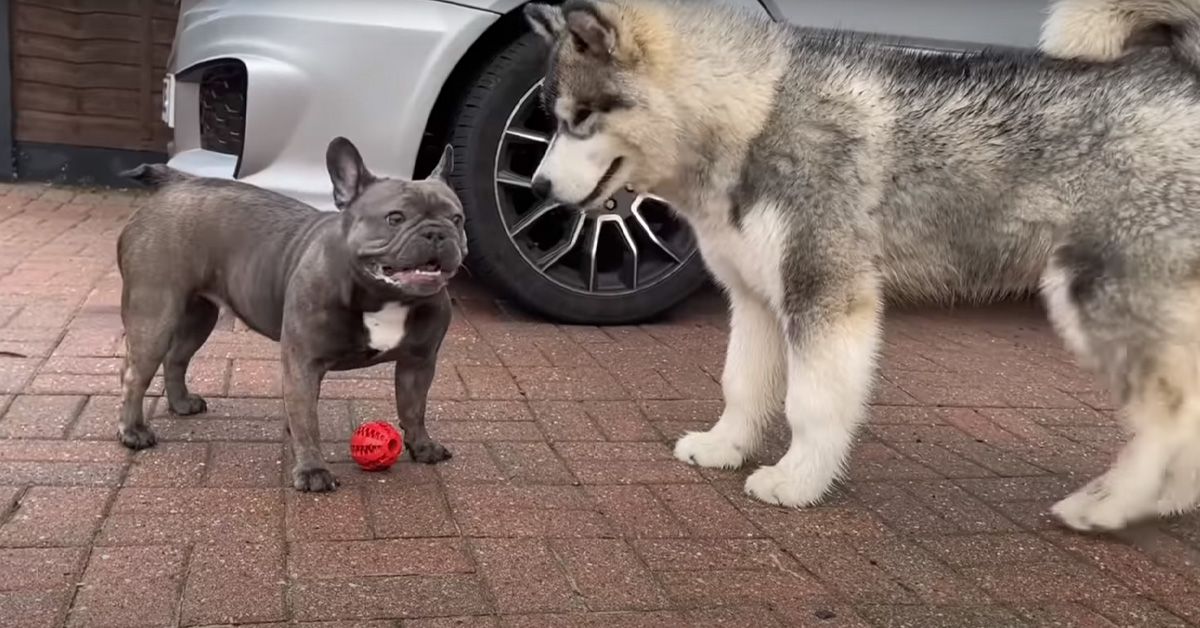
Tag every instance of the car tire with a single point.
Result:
(478, 127)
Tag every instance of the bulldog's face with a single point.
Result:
(403, 236)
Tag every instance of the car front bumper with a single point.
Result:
(369, 70)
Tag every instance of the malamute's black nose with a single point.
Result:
(541, 187)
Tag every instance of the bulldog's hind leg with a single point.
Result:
(150, 317)
(197, 322)
(1144, 337)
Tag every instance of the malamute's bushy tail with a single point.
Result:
(155, 175)
(1102, 30)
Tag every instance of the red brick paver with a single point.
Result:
(563, 505)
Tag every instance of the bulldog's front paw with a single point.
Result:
(429, 452)
(189, 405)
(137, 437)
(313, 479)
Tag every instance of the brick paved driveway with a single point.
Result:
(562, 506)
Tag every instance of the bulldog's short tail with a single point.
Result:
(155, 175)
(1103, 30)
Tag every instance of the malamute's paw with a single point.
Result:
(778, 485)
(1179, 494)
(1094, 508)
(707, 449)
(1171, 505)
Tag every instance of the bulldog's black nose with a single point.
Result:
(541, 187)
(434, 235)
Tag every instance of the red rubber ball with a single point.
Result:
(376, 445)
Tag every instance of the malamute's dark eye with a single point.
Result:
(580, 116)
(609, 102)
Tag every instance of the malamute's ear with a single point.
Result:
(347, 171)
(592, 32)
(546, 20)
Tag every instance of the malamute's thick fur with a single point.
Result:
(822, 173)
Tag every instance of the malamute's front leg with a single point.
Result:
(752, 383)
(832, 344)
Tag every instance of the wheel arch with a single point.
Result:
(503, 32)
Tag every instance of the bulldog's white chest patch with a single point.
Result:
(385, 328)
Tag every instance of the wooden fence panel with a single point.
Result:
(89, 72)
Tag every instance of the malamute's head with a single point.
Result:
(616, 119)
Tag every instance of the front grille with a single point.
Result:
(223, 107)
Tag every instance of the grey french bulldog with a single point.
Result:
(338, 290)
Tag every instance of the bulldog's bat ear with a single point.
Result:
(546, 20)
(347, 171)
(445, 166)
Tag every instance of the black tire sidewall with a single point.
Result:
(479, 125)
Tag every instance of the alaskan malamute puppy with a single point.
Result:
(823, 173)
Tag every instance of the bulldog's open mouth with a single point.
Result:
(428, 273)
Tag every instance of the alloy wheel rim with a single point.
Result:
(632, 244)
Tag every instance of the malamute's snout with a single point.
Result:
(580, 171)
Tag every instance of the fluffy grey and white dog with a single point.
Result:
(824, 174)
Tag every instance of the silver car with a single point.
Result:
(257, 88)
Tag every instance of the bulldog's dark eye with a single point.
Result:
(395, 218)
(457, 219)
